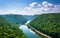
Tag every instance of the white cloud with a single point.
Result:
(27, 8)
(47, 4)
(45, 7)
(33, 4)
(44, 3)
(35, 8)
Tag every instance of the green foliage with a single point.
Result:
(8, 30)
(17, 19)
(29, 17)
(48, 24)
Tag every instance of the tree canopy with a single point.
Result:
(8, 30)
(48, 24)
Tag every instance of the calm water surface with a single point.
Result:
(29, 32)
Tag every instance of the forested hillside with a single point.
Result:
(48, 24)
(17, 19)
(29, 17)
(8, 30)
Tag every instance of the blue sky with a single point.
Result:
(27, 6)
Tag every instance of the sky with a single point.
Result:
(29, 7)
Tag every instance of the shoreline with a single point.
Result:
(40, 33)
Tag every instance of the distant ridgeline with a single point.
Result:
(48, 24)
(29, 17)
(17, 19)
(8, 30)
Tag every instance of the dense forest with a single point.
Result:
(8, 30)
(29, 17)
(13, 18)
(48, 24)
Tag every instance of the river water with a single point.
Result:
(28, 31)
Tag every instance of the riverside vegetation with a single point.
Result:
(48, 24)
(8, 30)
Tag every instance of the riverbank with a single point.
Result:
(28, 32)
(40, 33)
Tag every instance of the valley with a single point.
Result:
(37, 26)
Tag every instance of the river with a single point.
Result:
(28, 31)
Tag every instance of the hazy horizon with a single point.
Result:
(29, 7)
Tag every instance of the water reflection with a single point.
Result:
(29, 32)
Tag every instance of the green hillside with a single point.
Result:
(8, 30)
(13, 18)
(48, 24)
(29, 17)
